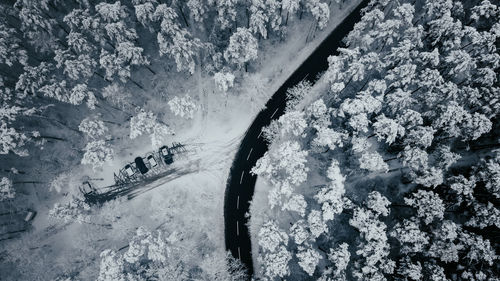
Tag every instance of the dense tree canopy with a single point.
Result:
(402, 171)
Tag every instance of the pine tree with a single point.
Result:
(242, 48)
(411, 238)
(10, 49)
(299, 232)
(428, 204)
(308, 259)
(93, 128)
(97, 153)
(184, 107)
(7, 191)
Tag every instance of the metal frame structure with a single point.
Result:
(125, 182)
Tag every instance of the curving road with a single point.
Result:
(241, 184)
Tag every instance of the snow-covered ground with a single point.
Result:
(191, 200)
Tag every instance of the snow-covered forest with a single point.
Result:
(88, 85)
(387, 167)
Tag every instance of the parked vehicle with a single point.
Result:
(139, 162)
(128, 169)
(152, 161)
(30, 215)
(167, 155)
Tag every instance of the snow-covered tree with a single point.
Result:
(270, 236)
(75, 210)
(224, 80)
(33, 78)
(299, 232)
(476, 125)
(308, 259)
(93, 128)
(6, 189)
(387, 129)
(435, 272)
(414, 158)
(10, 49)
(111, 267)
(130, 54)
(113, 66)
(242, 47)
(287, 163)
(79, 93)
(452, 115)
(446, 157)
(119, 32)
(460, 62)
(157, 256)
(275, 264)
(484, 215)
(117, 95)
(410, 118)
(296, 203)
(56, 89)
(463, 186)
(75, 67)
(428, 204)
(373, 162)
(36, 26)
(175, 41)
(279, 194)
(444, 243)
(111, 12)
(360, 144)
(366, 221)
(430, 177)
(363, 103)
(421, 136)
(97, 152)
(329, 138)
(490, 174)
(374, 249)
(331, 196)
(258, 18)
(292, 123)
(340, 257)
(411, 270)
(485, 9)
(146, 123)
(184, 107)
(295, 94)
(160, 134)
(410, 237)
(290, 6)
(359, 122)
(377, 203)
(181, 47)
(12, 140)
(478, 248)
(197, 9)
(316, 223)
(226, 12)
(215, 266)
(320, 11)
(144, 12)
(144, 245)
(142, 123)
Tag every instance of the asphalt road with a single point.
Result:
(241, 184)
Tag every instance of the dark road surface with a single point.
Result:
(241, 184)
